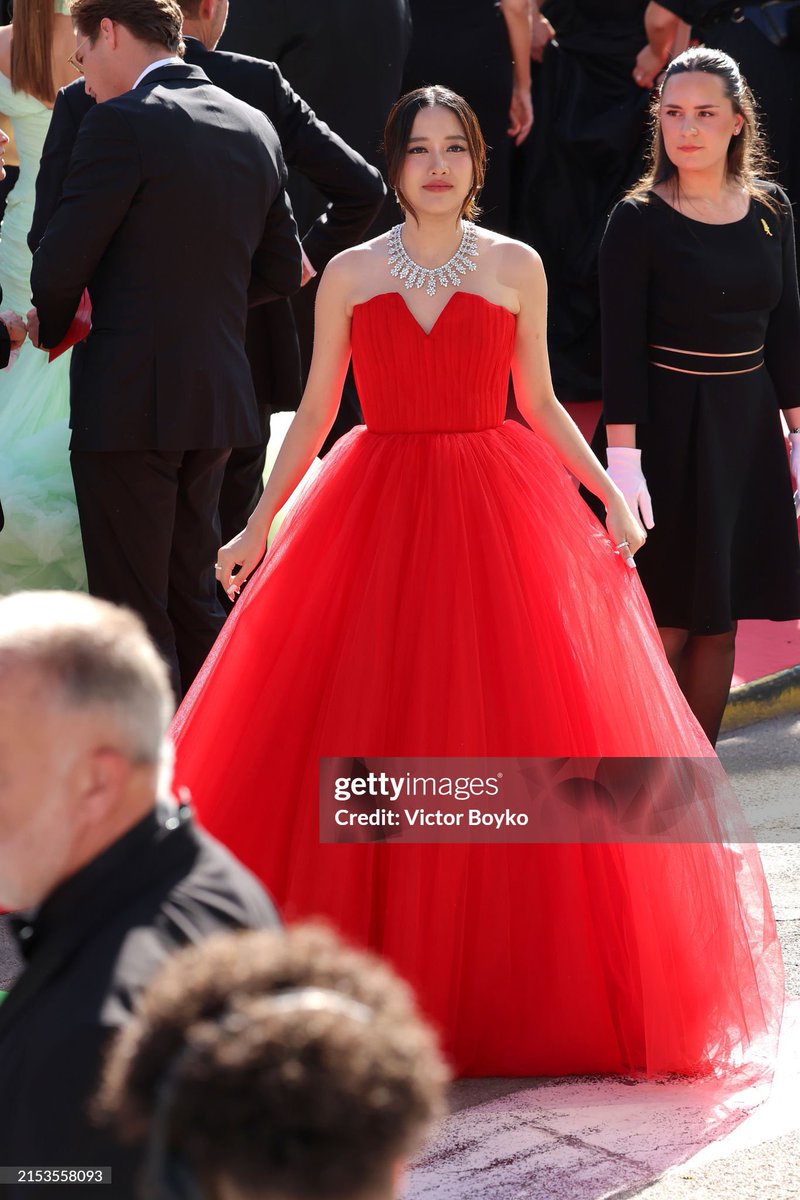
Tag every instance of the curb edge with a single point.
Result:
(775, 695)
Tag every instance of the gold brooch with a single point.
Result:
(767, 229)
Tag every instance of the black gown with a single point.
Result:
(677, 292)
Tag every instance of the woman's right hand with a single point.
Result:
(245, 551)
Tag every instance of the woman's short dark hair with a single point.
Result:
(748, 161)
(271, 1094)
(396, 136)
(158, 22)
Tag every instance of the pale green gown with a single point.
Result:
(40, 546)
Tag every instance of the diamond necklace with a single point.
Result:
(402, 266)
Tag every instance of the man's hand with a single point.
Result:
(309, 271)
(16, 328)
(33, 327)
(667, 36)
(520, 115)
(649, 66)
(542, 32)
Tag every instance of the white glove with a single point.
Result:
(794, 467)
(625, 469)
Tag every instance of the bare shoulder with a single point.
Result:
(507, 256)
(514, 267)
(360, 272)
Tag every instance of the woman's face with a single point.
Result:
(697, 121)
(437, 174)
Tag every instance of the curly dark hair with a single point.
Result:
(397, 132)
(313, 1102)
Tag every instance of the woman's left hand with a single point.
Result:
(794, 467)
(794, 458)
(624, 530)
(520, 115)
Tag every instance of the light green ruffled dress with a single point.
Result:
(40, 546)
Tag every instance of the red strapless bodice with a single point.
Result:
(453, 379)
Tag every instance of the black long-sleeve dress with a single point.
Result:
(681, 296)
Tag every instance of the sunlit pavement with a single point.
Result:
(600, 1139)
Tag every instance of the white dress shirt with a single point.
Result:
(172, 61)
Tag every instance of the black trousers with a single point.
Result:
(274, 357)
(150, 534)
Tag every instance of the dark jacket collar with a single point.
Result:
(173, 72)
(157, 848)
(69, 898)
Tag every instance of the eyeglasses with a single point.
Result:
(73, 59)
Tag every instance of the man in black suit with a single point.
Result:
(353, 192)
(346, 59)
(105, 872)
(173, 204)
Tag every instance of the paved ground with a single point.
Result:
(595, 1139)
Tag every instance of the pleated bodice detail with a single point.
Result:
(453, 379)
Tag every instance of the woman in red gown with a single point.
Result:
(442, 590)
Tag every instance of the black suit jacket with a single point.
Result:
(93, 947)
(353, 189)
(345, 58)
(174, 204)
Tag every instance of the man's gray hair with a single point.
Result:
(96, 656)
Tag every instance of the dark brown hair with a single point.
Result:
(317, 1100)
(31, 49)
(748, 160)
(396, 135)
(158, 22)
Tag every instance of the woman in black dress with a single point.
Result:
(701, 348)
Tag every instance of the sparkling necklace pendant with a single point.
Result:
(402, 266)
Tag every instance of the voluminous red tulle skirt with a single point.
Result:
(450, 594)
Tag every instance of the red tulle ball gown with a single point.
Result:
(442, 590)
